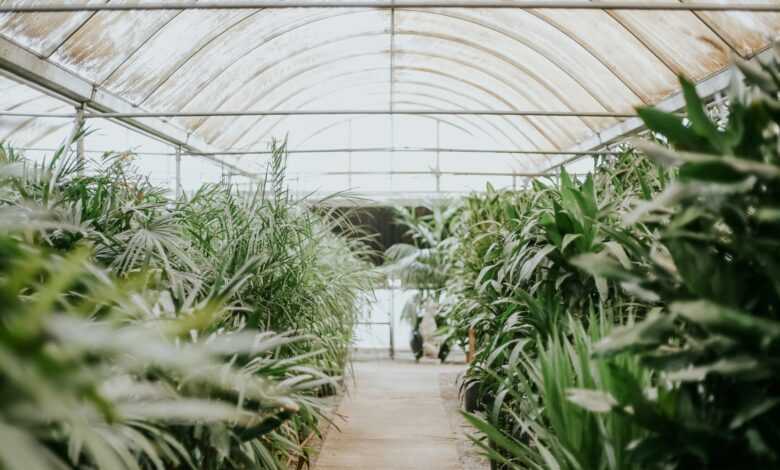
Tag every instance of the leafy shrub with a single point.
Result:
(713, 270)
(681, 261)
(135, 334)
(536, 314)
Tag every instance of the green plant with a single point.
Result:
(545, 427)
(90, 379)
(713, 270)
(425, 264)
(533, 313)
(140, 329)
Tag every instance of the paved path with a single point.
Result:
(396, 420)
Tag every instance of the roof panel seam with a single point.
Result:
(284, 80)
(526, 43)
(138, 48)
(194, 53)
(265, 134)
(564, 129)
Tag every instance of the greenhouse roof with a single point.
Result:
(402, 86)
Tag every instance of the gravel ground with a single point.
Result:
(314, 446)
(468, 453)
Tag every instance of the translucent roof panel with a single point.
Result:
(26, 131)
(378, 59)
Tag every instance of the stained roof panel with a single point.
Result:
(377, 59)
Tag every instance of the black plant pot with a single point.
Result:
(444, 351)
(471, 398)
(330, 389)
(416, 344)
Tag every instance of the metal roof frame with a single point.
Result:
(517, 4)
(19, 62)
(675, 103)
(328, 112)
(36, 69)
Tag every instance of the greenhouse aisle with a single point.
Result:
(395, 420)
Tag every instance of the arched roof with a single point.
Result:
(374, 59)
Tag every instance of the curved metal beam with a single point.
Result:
(266, 67)
(453, 39)
(265, 41)
(449, 76)
(422, 95)
(442, 37)
(194, 52)
(434, 118)
(584, 45)
(297, 91)
(529, 44)
(468, 121)
(344, 121)
(491, 124)
(507, 83)
(461, 42)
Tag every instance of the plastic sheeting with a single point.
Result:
(375, 59)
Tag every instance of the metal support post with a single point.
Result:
(392, 91)
(438, 156)
(349, 154)
(392, 322)
(178, 172)
(79, 127)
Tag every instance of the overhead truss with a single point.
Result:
(331, 112)
(70, 87)
(516, 4)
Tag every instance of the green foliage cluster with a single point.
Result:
(712, 273)
(143, 332)
(536, 315)
(629, 319)
(425, 265)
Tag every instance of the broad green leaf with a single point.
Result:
(700, 121)
(649, 333)
(672, 127)
(728, 321)
(592, 400)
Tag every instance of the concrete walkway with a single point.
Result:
(395, 420)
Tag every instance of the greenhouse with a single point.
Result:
(389, 234)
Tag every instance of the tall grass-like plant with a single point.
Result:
(678, 253)
(307, 279)
(139, 332)
(713, 272)
(546, 427)
(533, 313)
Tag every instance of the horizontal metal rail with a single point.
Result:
(534, 174)
(327, 112)
(53, 7)
(357, 150)
(419, 149)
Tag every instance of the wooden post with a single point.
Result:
(472, 345)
